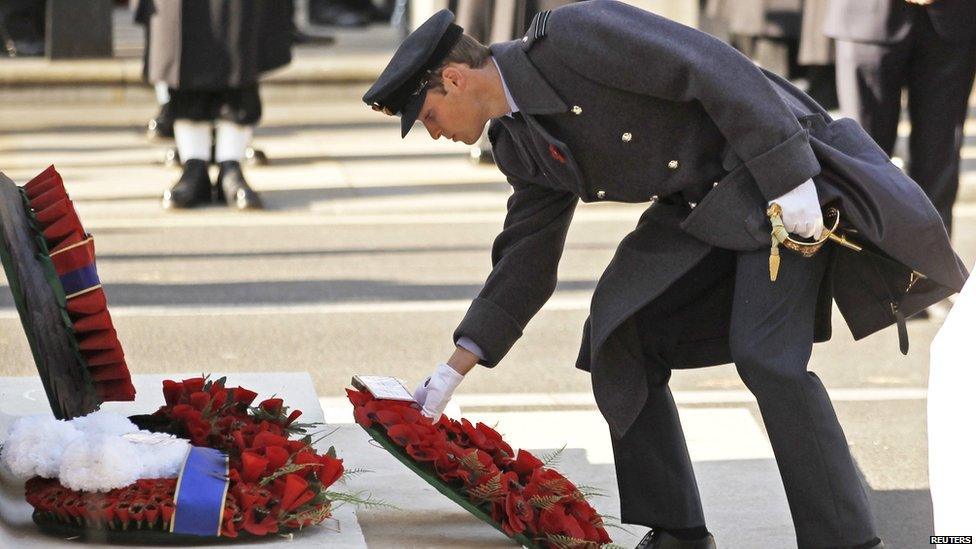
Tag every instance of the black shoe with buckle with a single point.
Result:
(660, 539)
(193, 187)
(161, 127)
(233, 188)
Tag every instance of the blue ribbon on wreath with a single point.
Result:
(200, 493)
(79, 280)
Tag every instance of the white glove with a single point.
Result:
(435, 391)
(801, 210)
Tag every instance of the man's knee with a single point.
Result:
(765, 369)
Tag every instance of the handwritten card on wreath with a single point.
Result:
(383, 387)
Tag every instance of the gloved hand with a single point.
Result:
(434, 392)
(801, 211)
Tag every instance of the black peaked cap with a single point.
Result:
(402, 86)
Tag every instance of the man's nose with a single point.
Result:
(434, 132)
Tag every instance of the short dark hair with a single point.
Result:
(467, 51)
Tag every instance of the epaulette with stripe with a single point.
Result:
(540, 23)
(537, 29)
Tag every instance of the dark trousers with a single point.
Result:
(939, 78)
(771, 339)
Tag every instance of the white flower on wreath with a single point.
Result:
(97, 452)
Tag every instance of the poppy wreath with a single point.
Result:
(276, 483)
(62, 238)
(471, 464)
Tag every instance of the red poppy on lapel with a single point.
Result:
(558, 156)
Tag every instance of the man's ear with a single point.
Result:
(453, 77)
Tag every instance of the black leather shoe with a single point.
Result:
(161, 127)
(659, 539)
(193, 187)
(232, 187)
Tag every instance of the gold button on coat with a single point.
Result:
(601, 194)
(673, 164)
(626, 137)
(577, 110)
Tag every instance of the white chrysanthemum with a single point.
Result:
(99, 463)
(104, 422)
(98, 452)
(160, 456)
(36, 444)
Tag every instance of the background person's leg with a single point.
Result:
(870, 78)
(239, 112)
(771, 342)
(940, 81)
(193, 140)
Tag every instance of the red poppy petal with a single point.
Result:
(74, 257)
(109, 372)
(100, 321)
(64, 226)
(294, 486)
(253, 466)
(272, 405)
(277, 456)
(244, 396)
(45, 177)
(101, 357)
(87, 303)
(54, 211)
(116, 391)
(97, 341)
(358, 398)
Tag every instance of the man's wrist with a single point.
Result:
(463, 360)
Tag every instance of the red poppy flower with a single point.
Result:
(172, 391)
(292, 417)
(524, 464)
(358, 398)
(244, 396)
(218, 397)
(272, 406)
(267, 438)
(277, 456)
(295, 492)
(199, 400)
(389, 417)
(331, 470)
(556, 155)
(253, 466)
(518, 514)
(306, 457)
(259, 521)
(403, 434)
(193, 384)
(555, 521)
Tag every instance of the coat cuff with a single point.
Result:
(491, 328)
(784, 167)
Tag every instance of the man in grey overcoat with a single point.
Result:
(603, 101)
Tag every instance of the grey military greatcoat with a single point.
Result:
(611, 109)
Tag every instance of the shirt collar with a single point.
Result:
(512, 107)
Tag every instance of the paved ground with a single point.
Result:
(365, 260)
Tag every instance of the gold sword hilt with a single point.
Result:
(780, 236)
